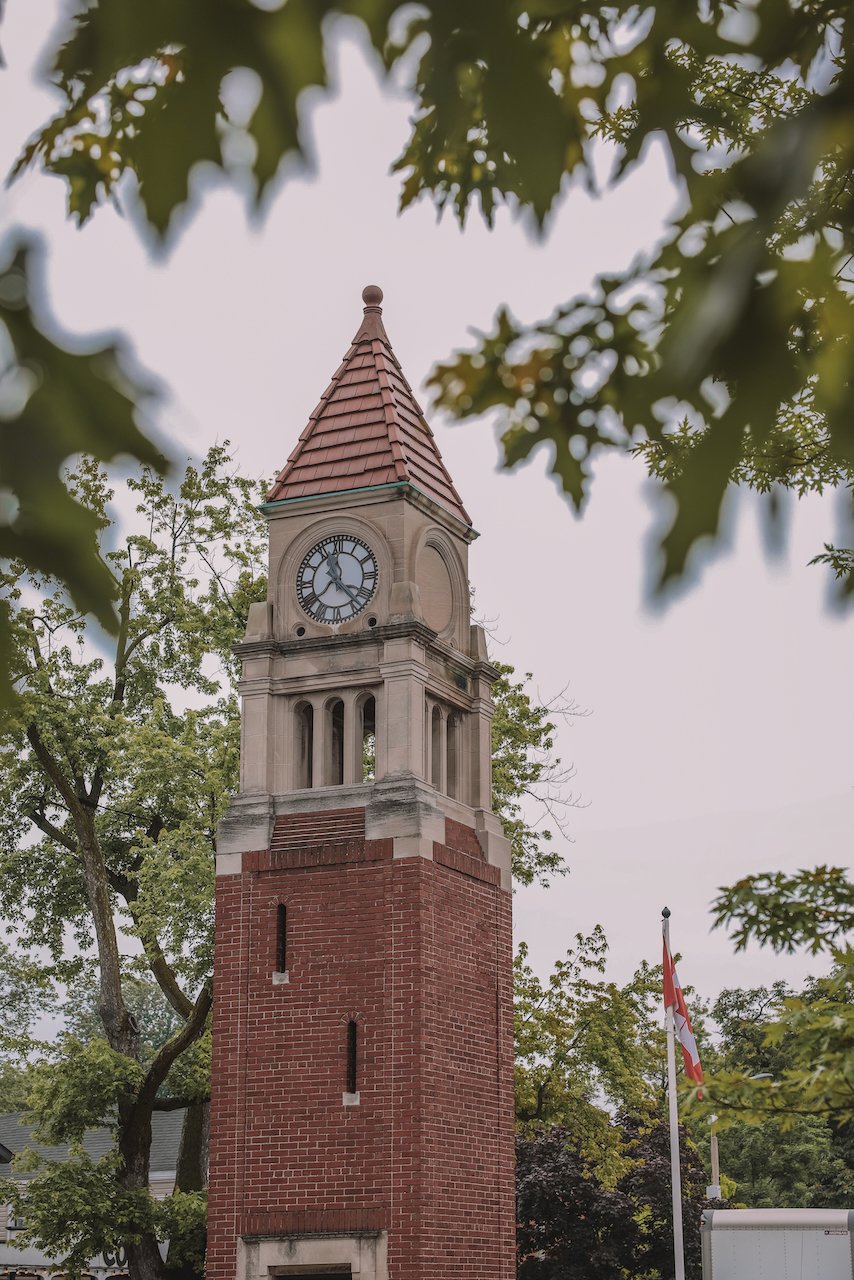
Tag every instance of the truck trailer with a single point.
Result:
(778, 1244)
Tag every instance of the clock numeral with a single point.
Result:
(363, 594)
(310, 602)
(337, 613)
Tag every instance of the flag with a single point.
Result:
(673, 997)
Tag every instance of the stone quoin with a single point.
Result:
(362, 1088)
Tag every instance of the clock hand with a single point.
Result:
(339, 582)
(336, 578)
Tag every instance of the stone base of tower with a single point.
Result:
(410, 1176)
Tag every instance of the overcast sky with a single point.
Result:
(719, 740)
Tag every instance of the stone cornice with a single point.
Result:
(409, 629)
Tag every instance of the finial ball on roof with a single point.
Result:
(372, 295)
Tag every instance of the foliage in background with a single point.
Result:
(813, 1029)
(585, 1049)
(511, 101)
(573, 1226)
(115, 767)
(774, 1159)
(527, 775)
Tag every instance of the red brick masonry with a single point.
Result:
(419, 953)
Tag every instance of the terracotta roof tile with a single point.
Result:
(368, 428)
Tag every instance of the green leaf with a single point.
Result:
(55, 404)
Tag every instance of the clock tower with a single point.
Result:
(362, 1095)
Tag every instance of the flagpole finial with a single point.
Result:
(665, 911)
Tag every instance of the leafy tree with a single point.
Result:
(569, 1227)
(14, 1086)
(648, 1186)
(813, 1029)
(585, 1048)
(511, 101)
(775, 1160)
(526, 774)
(572, 1226)
(116, 767)
(796, 1168)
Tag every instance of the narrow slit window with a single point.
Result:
(281, 938)
(352, 1056)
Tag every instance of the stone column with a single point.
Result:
(481, 746)
(400, 723)
(442, 780)
(352, 738)
(254, 736)
(318, 755)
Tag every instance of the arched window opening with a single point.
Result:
(305, 745)
(436, 749)
(452, 763)
(335, 743)
(368, 720)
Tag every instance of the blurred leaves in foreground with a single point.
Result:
(717, 355)
(55, 404)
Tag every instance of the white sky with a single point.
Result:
(720, 739)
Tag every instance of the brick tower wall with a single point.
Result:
(419, 953)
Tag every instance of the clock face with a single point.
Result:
(337, 578)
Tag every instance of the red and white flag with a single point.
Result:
(673, 997)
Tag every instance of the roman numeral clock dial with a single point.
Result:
(337, 579)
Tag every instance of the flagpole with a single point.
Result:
(675, 1172)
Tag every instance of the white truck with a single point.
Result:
(778, 1244)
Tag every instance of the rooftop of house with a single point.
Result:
(166, 1138)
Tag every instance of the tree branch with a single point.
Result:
(48, 828)
(176, 1104)
(182, 1039)
(157, 962)
(119, 684)
(120, 1027)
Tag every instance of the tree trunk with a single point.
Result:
(144, 1260)
(191, 1173)
(134, 1143)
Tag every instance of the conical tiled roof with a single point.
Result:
(368, 428)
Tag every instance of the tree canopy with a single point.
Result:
(115, 767)
(586, 1048)
(814, 1028)
(770, 1158)
(572, 1225)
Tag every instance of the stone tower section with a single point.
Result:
(362, 1110)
